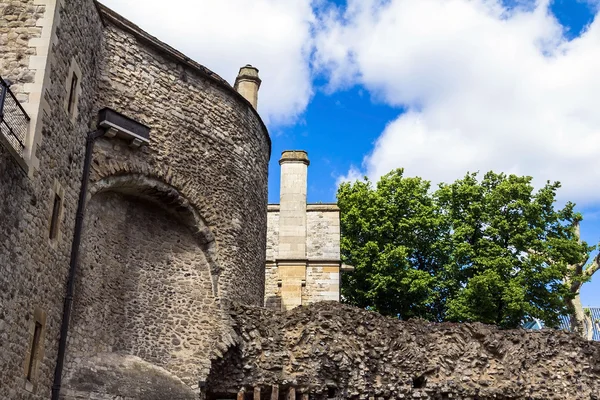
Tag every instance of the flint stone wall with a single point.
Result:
(328, 349)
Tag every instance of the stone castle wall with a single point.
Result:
(191, 208)
(33, 267)
(205, 138)
(18, 26)
(330, 350)
(144, 289)
(323, 232)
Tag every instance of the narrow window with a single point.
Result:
(72, 94)
(54, 222)
(34, 349)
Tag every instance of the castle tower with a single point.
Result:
(303, 242)
(247, 84)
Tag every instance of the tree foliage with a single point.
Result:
(493, 250)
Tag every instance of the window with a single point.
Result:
(35, 355)
(72, 94)
(55, 221)
(72, 90)
(37, 333)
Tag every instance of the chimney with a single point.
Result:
(247, 84)
(292, 203)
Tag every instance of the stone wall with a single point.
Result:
(272, 232)
(203, 178)
(27, 35)
(323, 231)
(206, 141)
(330, 350)
(322, 283)
(316, 277)
(33, 267)
(18, 25)
(143, 289)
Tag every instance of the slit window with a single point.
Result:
(54, 222)
(72, 94)
(37, 333)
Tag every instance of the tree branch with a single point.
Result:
(592, 269)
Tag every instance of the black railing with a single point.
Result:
(14, 121)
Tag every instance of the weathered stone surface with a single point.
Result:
(206, 141)
(18, 25)
(173, 229)
(113, 376)
(33, 268)
(143, 279)
(328, 349)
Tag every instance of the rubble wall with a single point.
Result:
(331, 350)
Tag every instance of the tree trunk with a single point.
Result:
(581, 324)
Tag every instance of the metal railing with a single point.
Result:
(14, 121)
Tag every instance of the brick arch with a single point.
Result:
(172, 201)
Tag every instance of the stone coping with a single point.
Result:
(308, 261)
(299, 156)
(109, 16)
(330, 207)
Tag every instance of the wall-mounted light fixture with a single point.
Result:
(117, 124)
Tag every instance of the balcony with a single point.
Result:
(14, 122)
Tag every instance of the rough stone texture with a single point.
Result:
(18, 25)
(33, 268)
(206, 142)
(203, 178)
(112, 376)
(143, 279)
(331, 350)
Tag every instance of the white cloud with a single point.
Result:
(272, 35)
(353, 174)
(486, 88)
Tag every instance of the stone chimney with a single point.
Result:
(292, 202)
(247, 84)
(291, 260)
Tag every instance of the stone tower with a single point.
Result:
(303, 242)
(173, 230)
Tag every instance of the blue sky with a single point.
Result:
(439, 87)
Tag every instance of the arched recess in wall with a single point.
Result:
(172, 201)
(147, 280)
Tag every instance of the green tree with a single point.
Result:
(492, 250)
